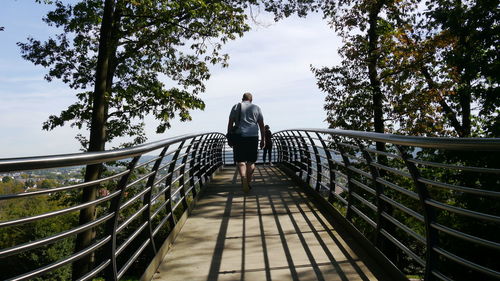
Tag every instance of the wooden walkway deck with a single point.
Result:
(274, 232)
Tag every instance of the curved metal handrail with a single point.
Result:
(405, 198)
(141, 204)
(87, 158)
(431, 142)
(378, 192)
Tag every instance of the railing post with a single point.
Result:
(292, 149)
(168, 184)
(305, 154)
(289, 150)
(182, 190)
(209, 159)
(379, 191)
(282, 154)
(219, 151)
(319, 168)
(204, 161)
(147, 199)
(224, 153)
(112, 224)
(331, 168)
(193, 165)
(214, 152)
(201, 159)
(278, 149)
(350, 185)
(429, 215)
(292, 144)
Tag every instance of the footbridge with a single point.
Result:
(334, 205)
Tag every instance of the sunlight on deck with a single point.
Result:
(272, 233)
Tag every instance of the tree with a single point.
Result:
(47, 183)
(142, 42)
(445, 62)
(433, 73)
(29, 260)
(124, 50)
(358, 22)
(468, 62)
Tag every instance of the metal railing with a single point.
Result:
(142, 194)
(429, 205)
(229, 157)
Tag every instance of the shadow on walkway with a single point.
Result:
(274, 232)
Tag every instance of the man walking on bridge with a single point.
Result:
(250, 123)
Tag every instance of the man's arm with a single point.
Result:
(231, 120)
(262, 133)
(230, 124)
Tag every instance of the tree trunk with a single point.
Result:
(373, 54)
(378, 119)
(97, 136)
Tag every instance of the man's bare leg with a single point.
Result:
(243, 169)
(250, 170)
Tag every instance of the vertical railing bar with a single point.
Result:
(112, 224)
(210, 160)
(279, 148)
(148, 195)
(193, 165)
(206, 158)
(292, 150)
(182, 190)
(224, 153)
(213, 153)
(429, 215)
(331, 168)
(169, 183)
(305, 151)
(283, 146)
(281, 151)
(350, 185)
(379, 191)
(201, 160)
(298, 147)
(289, 149)
(219, 151)
(319, 167)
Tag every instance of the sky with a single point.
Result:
(272, 61)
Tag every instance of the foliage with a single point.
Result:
(6, 179)
(17, 235)
(159, 63)
(436, 65)
(443, 60)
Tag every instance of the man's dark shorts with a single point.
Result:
(246, 149)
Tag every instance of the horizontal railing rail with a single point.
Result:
(429, 205)
(142, 194)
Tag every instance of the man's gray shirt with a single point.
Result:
(250, 115)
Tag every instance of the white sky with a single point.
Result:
(271, 62)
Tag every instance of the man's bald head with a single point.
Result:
(247, 97)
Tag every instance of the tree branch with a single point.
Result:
(449, 113)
